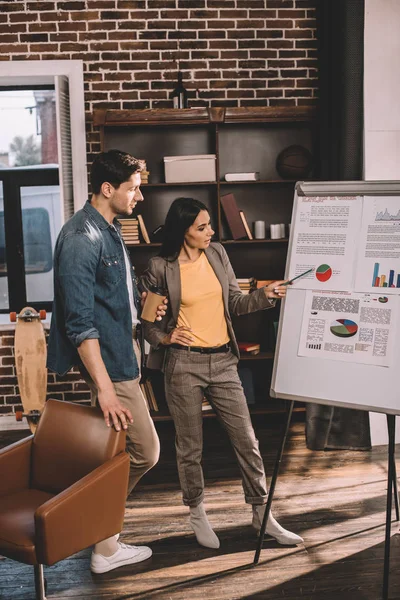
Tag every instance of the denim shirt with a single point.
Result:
(91, 296)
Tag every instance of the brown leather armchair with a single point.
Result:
(62, 489)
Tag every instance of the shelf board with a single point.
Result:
(255, 409)
(188, 183)
(223, 242)
(143, 245)
(260, 181)
(259, 356)
(263, 241)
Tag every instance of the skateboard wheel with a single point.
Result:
(42, 314)
(13, 317)
(19, 415)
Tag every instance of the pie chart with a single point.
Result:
(344, 328)
(323, 273)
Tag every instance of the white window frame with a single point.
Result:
(41, 72)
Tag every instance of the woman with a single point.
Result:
(196, 347)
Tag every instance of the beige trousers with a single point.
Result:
(142, 443)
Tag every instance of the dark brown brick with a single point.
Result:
(242, 33)
(222, 44)
(279, 83)
(270, 33)
(81, 26)
(239, 94)
(236, 54)
(223, 84)
(293, 73)
(8, 7)
(287, 13)
(298, 93)
(114, 15)
(212, 34)
(134, 4)
(306, 83)
(7, 390)
(221, 24)
(8, 360)
(7, 351)
(269, 93)
(161, 24)
(34, 37)
(12, 29)
(298, 33)
(102, 26)
(24, 17)
(71, 5)
(221, 3)
(252, 83)
(280, 4)
(263, 14)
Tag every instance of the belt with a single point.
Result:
(201, 350)
(136, 327)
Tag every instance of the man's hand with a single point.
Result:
(276, 290)
(161, 309)
(113, 411)
(179, 335)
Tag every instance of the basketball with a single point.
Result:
(294, 162)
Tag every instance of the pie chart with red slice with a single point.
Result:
(344, 328)
(323, 273)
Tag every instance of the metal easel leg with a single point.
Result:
(395, 486)
(273, 482)
(391, 421)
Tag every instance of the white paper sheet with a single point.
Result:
(378, 260)
(349, 326)
(324, 238)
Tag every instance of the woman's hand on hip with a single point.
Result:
(179, 335)
(276, 289)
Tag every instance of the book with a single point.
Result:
(143, 229)
(233, 217)
(249, 347)
(247, 228)
(252, 176)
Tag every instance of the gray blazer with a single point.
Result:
(166, 274)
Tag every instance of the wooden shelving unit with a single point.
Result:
(243, 140)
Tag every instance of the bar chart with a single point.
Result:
(384, 280)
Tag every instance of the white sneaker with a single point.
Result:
(125, 555)
(282, 535)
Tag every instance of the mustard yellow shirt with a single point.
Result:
(202, 305)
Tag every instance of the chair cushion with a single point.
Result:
(17, 524)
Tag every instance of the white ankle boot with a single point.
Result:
(202, 528)
(282, 536)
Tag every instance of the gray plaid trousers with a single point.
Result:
(189, 376)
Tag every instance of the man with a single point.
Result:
(95, 323)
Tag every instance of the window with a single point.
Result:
(43, 177)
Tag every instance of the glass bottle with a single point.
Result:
(179, 95)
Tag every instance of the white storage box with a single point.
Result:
(191, 168)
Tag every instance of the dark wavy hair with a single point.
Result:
(115, 167)
(181, 215)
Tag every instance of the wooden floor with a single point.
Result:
(335, 500)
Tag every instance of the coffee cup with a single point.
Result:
(155, 297)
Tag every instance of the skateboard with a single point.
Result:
(30, 362)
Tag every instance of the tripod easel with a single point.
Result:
(392, 489)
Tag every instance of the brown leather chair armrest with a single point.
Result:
(15, 464)
(89, 511)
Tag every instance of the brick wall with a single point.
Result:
(231, 53)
